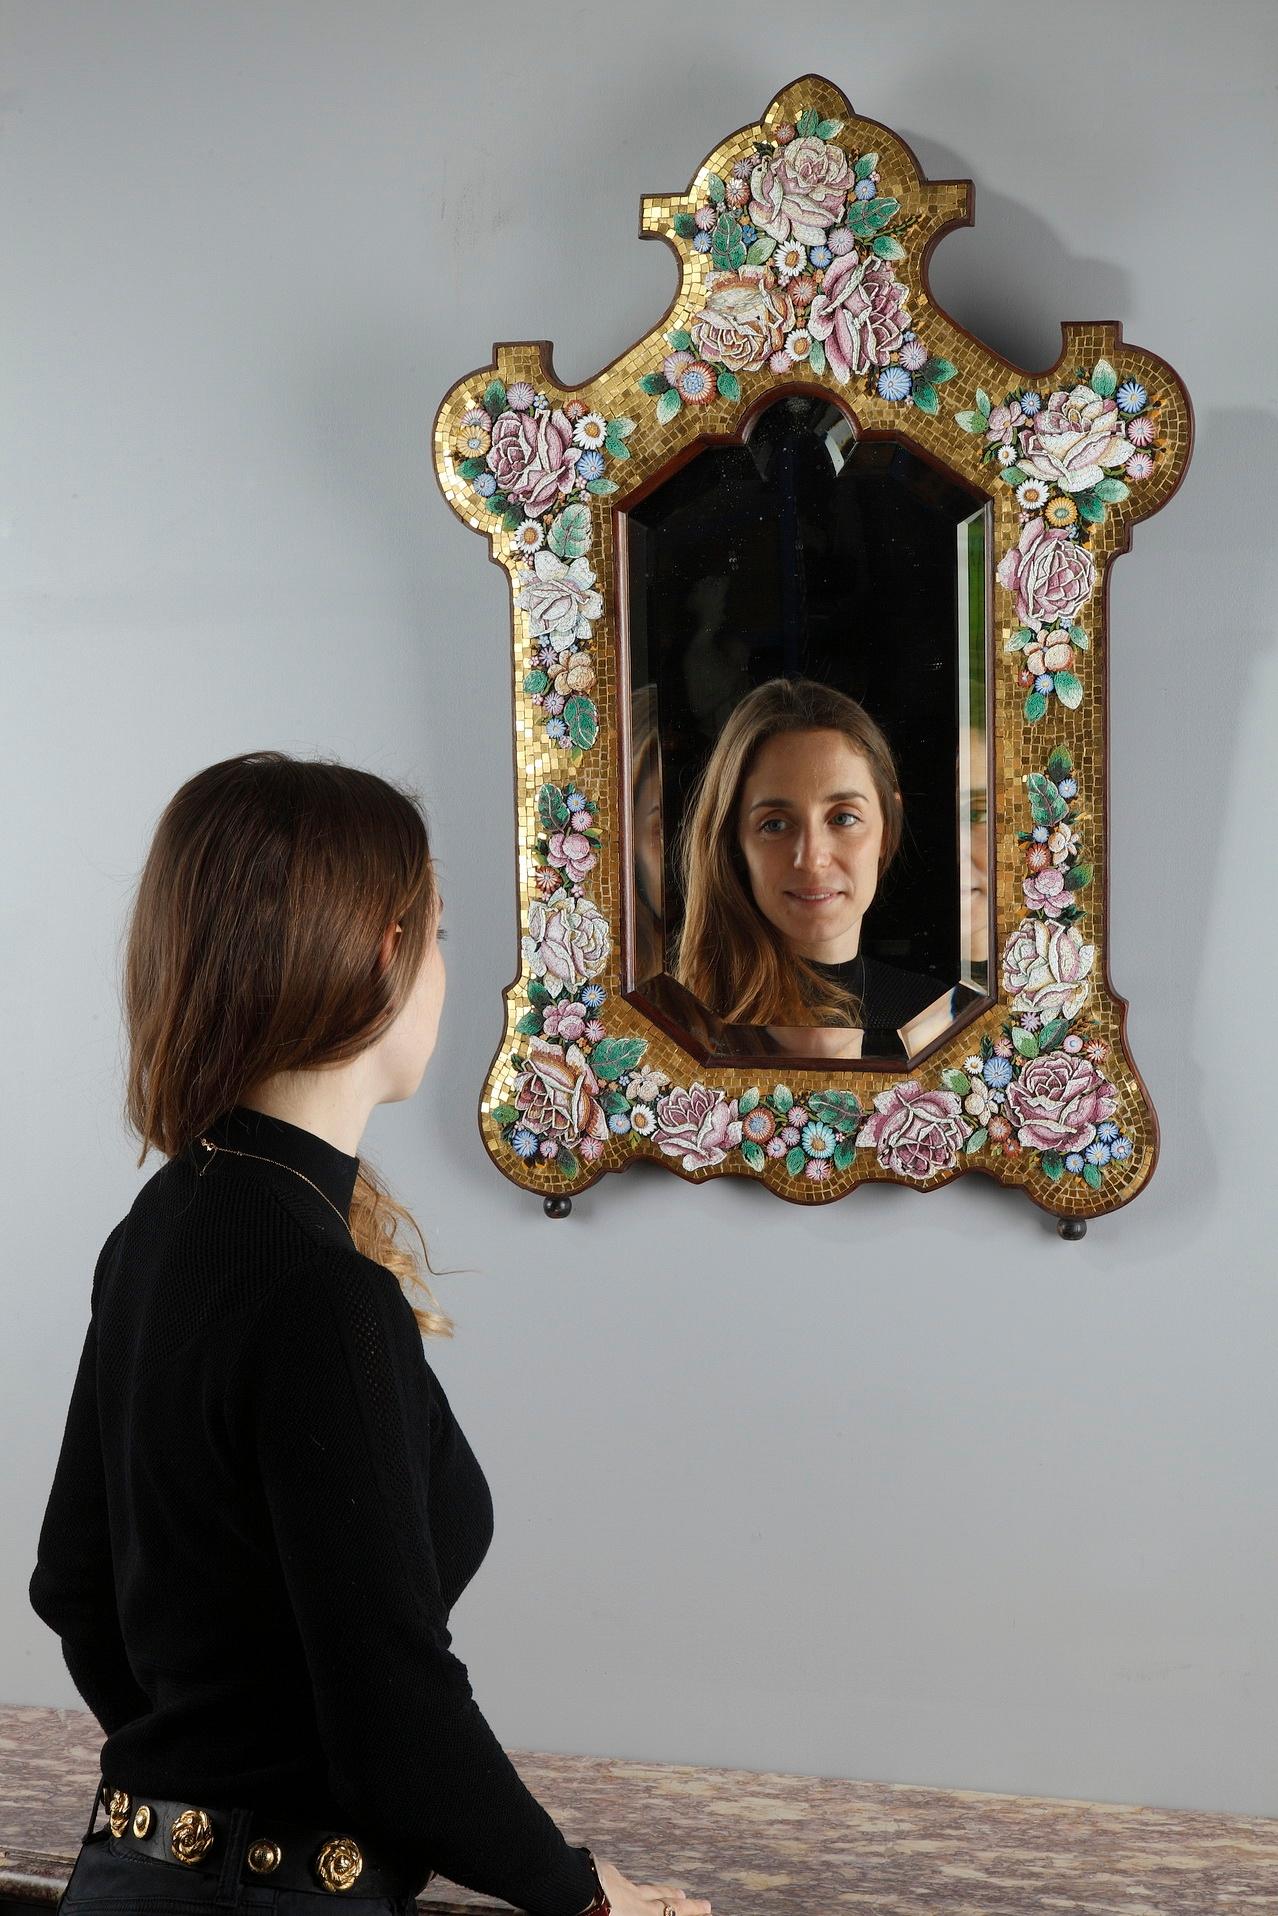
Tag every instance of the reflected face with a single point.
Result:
(810, 828)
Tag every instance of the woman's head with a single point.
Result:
(798, 797)
(285, 921)
(812, 829)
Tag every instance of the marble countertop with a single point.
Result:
(759, 1843)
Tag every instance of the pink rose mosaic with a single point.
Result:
(1069, 456)
(535, 465)
(1041, 1085)
(802, 240)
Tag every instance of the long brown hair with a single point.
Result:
(729, 955)
(253, 947)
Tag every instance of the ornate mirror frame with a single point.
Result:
(1036, 1087)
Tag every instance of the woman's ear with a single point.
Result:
(387, 947)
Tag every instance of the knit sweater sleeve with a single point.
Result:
(72, 1587)
(329, 1377)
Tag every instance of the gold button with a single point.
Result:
(191, 1835)
(338, 1862)
(118, 1812)
(263, 1855)
(142, 1820)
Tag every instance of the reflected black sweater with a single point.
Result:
(263, 1512)
(889, 999)
(889, 996)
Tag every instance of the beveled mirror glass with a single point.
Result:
(808, 598)
(859, 563)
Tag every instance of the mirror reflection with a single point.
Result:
(806, 616)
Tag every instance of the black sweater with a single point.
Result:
(263, 1512)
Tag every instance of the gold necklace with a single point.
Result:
(213, 1149)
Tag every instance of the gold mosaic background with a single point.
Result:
(1020, 746)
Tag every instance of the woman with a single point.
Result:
(264, 1508)
(794, 820)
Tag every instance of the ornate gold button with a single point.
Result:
(191, 1835)
(263, 1855)
(338, 1862)
(142, 1819)
(118, 1812)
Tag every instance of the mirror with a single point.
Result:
(809, 704)
(825, 594)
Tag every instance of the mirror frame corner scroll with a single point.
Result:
(1041, 1091)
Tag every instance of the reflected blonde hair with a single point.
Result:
(253, 947)
(729, 955)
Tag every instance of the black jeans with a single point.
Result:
(107, 1881)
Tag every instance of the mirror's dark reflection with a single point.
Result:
(807, 623)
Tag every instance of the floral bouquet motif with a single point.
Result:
(802, 244)
(1068, 456)
(535, 466)
(1040, 1086)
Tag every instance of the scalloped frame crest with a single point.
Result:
(828, 221)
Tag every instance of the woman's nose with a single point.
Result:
(811, 848)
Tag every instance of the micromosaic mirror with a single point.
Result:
(808, 491)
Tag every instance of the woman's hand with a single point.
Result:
(646, 1899)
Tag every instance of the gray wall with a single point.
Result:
(892, 1488)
